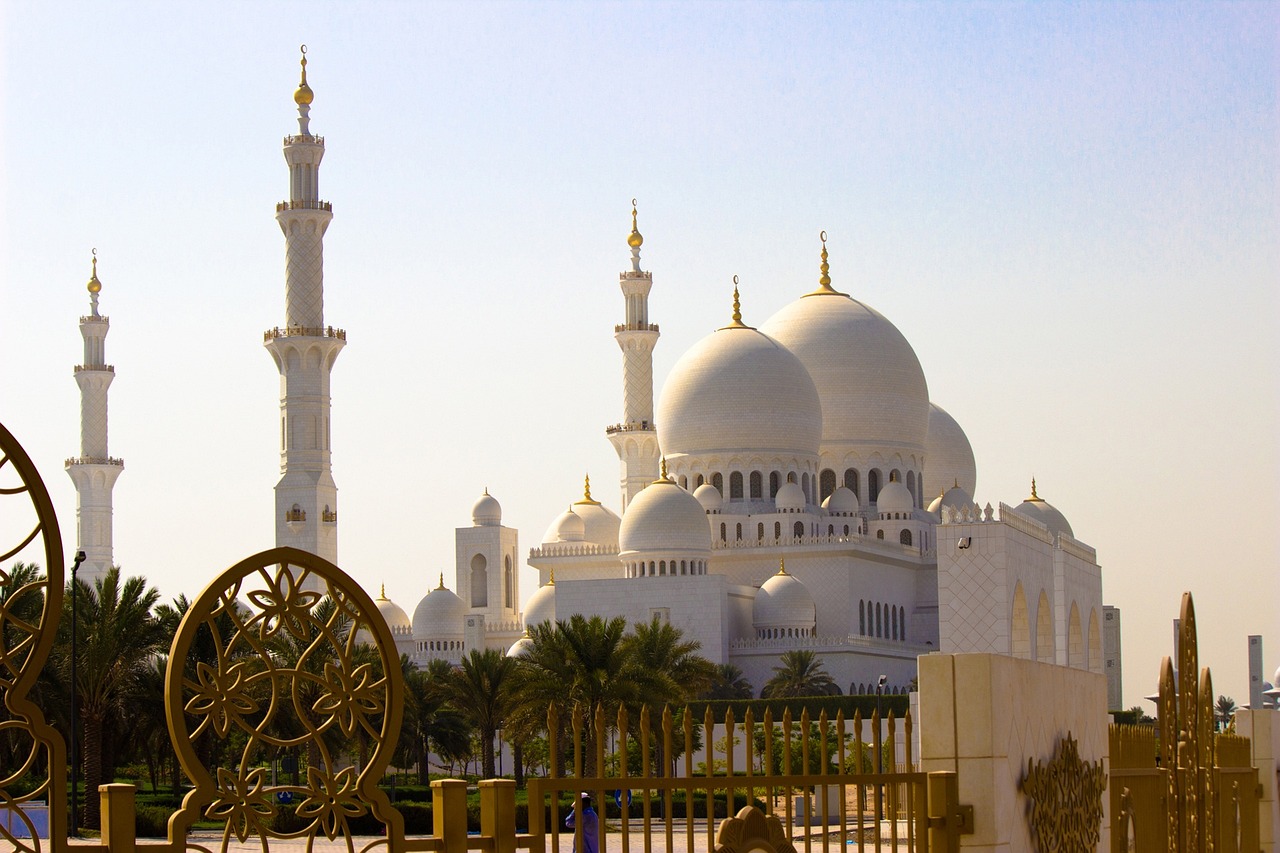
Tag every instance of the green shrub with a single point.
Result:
(152, 822)
(418, 818)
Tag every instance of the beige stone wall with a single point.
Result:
(984, 716)
(1262, 727)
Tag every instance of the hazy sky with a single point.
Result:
(1070, 210)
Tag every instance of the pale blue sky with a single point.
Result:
(1070, 210)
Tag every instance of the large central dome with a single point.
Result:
(872, 387)
(739, 391)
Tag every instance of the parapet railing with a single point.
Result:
(304, 332)
(303, 204)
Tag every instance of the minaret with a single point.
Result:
(304, 349)
(94, 471)
(635, 438)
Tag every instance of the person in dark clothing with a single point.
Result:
(590, 824)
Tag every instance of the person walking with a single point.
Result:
(590, 825)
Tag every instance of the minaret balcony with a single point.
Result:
(110, 368)
(303, 204)
(304, 139)
(329, 516)
(94, 460)
(304, 332)
(295, 515)
(631, 426)
(636, 327)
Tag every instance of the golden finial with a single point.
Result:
(551, 581)
(664, 468)
(94, 285)
(737, 310)
(635, 240)
(486, 491)
(382, 596)
(586, 493)
(893, 476)
(1034, 496)
(824, 280)
(782, 565)
(441, 581)
(303, 96)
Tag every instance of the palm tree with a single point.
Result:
(118, 639)
(481, 691)
(430, 722)
(799, 673)
(1226, 709)
(728, 683)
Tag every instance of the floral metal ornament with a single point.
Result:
(1066, 799)
(267, 663)
(30, 606)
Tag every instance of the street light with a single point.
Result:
(75, 765)
(879, 727)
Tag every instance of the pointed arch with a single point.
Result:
(1075, 639)
(1021, 624)
(1045, 652)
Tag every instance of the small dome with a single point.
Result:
(948, 456)
(664, 517)
(790, 498)
(397, 620)
(954, 498)
(784, 602)
(542, 605)
(894, 497)
(601, 522)
(439, 614)
(521, 647)
(568, 527)
(841, 502)
(486, 512)
(709, 496)
(1044, 512)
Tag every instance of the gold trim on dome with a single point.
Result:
(1034, 497)
(382, 595)
(635, 239)
(441, 581)
(824, 278)
(782, 565)
(662, 476)
(551, 581)
(737, 311)
(586, 494)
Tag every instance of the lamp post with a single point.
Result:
(75, 764)
(879, 727)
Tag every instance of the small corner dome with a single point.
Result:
(709, 496)
(953, 498)
(486, 512)
(841, 502)
(439, 614)
(790, 498)
(520, 648)
(1044, 512)
(397, 620)
(894, 497)
(541, 607)
(664, 517)
(784, 602)
(568, 527)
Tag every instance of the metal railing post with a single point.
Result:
(449, 814)
(119, 813)
(943, 809)
(498, 814)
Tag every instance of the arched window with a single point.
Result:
(873, 484)
(879, 534)
(735, 486)
(862, 617)
(879, 624)
(508, 582)
(718, 481)
(846, 530)
(760, 531)
(905, 536)
(757, 485)
(699, 481)
(791, 476)
(777, 530)
(723, 532)
(479, 581)
(739, 535)
(893, 612)
(799, 529)
(851, 479)
(1044, 631)
(911, 486)
(1075, 639)
(831, 530)
(662, 567)
(826, 484)
(684, 482)
(804, 486)
(902, 624)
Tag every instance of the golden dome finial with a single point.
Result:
(94, 285)
(551, 581)
(586, 493)
(664, 469)
(782, 565)
(382, 596)
(1034, 496)
(736, 323)
(825, 279)
(303, 96)
(635, 240)
(441, 581)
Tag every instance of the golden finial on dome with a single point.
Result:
(586, 493)
(635, 239)
(441, 581)
(486, 491)
(94, 285)
(1034, 496)
(824, 280)
(551, 581)
(737, 310)
(382, 596)
(664, 468)
(782, 565)
(303, 96)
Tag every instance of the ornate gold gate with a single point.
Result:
(1181, 786)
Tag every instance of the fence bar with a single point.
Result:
(806, 768)
(667, 767)
(823, 755)
(708, 728)
(646, 772)
(944, 804)
(768, 757)
(449, 813)
(749, 735)
(119, 813)
(843, 768)
(498, 814)
(786, 768)
(623, 755)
